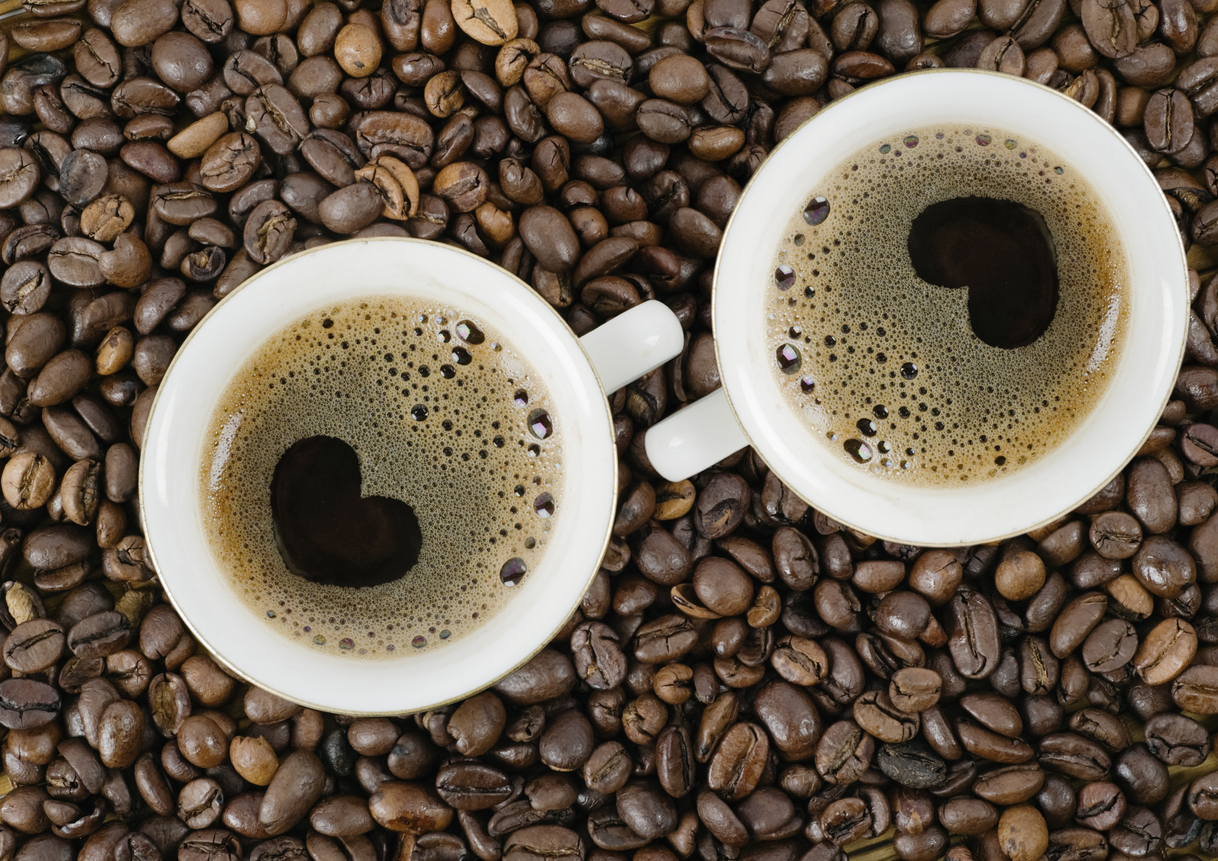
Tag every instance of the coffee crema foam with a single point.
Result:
(444, 415)
(885, 367)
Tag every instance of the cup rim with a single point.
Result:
(173, 601)
(788, 142)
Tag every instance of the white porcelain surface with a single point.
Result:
(175, 442)
(1106, 439)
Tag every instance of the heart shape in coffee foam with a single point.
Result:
(1002, 252)
(326, 530)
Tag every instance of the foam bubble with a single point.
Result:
(876, 343)
(444, 414)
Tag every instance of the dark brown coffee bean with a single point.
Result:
(120, 733)
(1074, 755)
(269, 231)
(1168, 120)
(720, 506)
(34, 645)
(796, 73)
(350, 208)
(19, 176)
(1149, 65)
(598, 656)
(609, 767)
(973, 635)
(209, 843)
(60, 379)
(968, 816)
(1115, 535)
(1110, 27)
(550, 238)
(537, 842)
(737, 764)
(1163, 567)
(293, 790)
(1166, 651)
(663, 121)
(876, 715)
(1010, 785)
(1177, 740)
(28, 480)
(1110, 646)
(1196, 690)
(547, 676)
(844, 752)
(470, 786)
(1143, 777)
(73, 260)
(790, 717)
(99, 635)
(993, 746)
(1077, 620)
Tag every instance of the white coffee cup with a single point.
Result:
(576, 371)
(749, 408)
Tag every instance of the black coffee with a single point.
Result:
(949, 306)
(382, 474)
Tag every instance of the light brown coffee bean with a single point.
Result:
(491, 22)
(1166, 651)
(28, 480)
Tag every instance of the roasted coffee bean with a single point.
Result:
(1163, 567)
(972, 630)
(844, 752)
(790, 717)
(1010, 785)
(1074, 755)
(34, 645)
(99, 635)
(598, 657)
(297, 784)
(1078, 618)
(1100, 726)
(1166, 651)
(472, 786)
(799, 660)
(968, 816)
(876, 715)
(269, 231)
(1196, 690)
(476, 725)
(1115, 535)
(610, 766)
(1177, 740)
(543, 841)
(737, 764)
(1150, 497)
(912, 764)
(27, 704)
(1110, 646)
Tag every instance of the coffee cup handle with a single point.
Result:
(633, 343)
(697, 437)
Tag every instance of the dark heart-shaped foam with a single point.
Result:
(1002, 252)
(326, 530)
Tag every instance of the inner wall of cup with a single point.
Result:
(1106, 438)
(220, 347)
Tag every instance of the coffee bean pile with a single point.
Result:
(746, 679)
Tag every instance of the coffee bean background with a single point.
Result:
(745, 679)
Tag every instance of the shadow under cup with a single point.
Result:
(176, 443)
(1102, 443)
